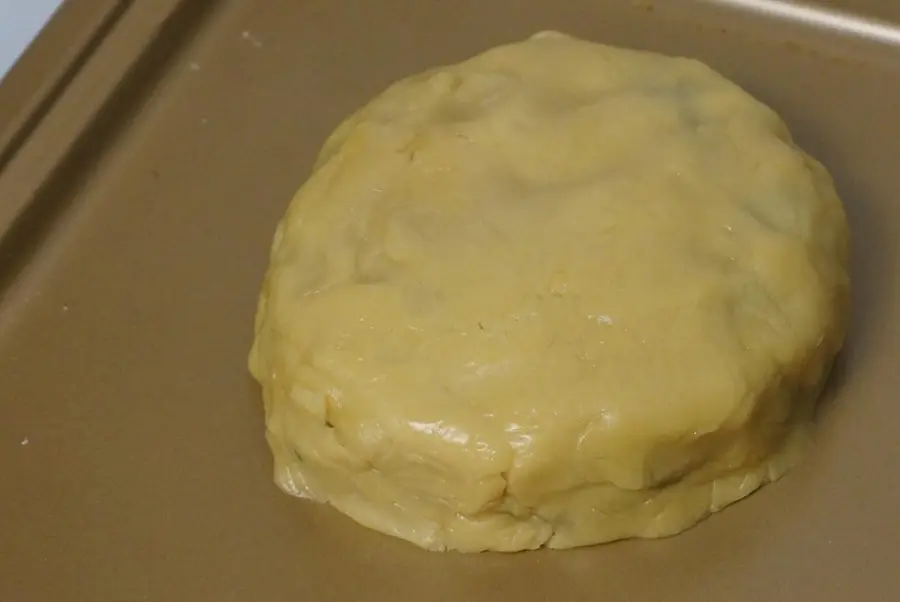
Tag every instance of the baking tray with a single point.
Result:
(149, 148)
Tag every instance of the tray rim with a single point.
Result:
(71, 92)
(63, 83)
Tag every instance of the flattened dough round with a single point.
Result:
(555, 295)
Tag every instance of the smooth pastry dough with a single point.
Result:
(558, 294)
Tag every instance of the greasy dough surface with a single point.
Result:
(555, 295)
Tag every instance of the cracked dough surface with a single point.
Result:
(555, 295)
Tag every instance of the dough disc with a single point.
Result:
(555, 295)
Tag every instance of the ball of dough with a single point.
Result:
(558, 294)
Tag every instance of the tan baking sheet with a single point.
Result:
(148, 149)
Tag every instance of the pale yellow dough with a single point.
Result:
(555, 295)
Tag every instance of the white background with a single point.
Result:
(20, 21)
